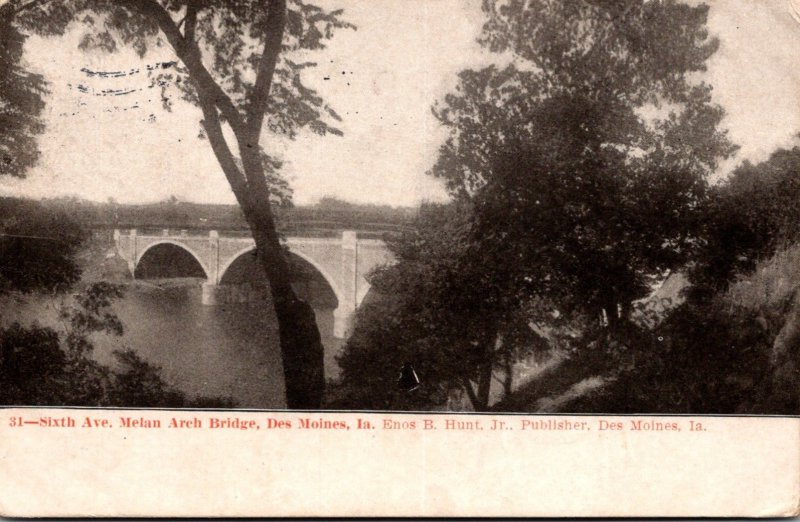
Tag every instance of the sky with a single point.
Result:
(382, 79)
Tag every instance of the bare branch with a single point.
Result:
(276, 23)
(191, 23)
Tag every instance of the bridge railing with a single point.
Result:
(315, 233)
(305, 227)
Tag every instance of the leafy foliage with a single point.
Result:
(707, 357)
(241, 63)
(749, 216)
(580, 170)
(587, 155)
(42, 366)
(31, 357)
(21, 102)
(37, 248)
(230, 36)
(446, 310)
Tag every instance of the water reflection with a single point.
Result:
(227, 350)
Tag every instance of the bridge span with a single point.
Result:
(342, 261)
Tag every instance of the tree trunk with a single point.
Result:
(473, 398)
(302, 352)
(508, 379)
(485, 384)
(611, 315)
(480, 398)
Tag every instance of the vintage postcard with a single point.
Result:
(399, 258)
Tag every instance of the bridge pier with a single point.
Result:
(342, 322)
(348, 283)
(132, 257)
(210, 295)
(213, 265)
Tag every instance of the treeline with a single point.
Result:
(328, 214)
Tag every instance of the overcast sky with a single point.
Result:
(383, 79)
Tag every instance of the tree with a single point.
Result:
(748, 217)
(587, 155)
(706, 357)
(578, 169)
(40, 366)
(446, 310)
(235, 66)
(37, 248)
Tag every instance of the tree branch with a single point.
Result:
(497, 379)
(12, 8)
(276, 23)
(189, 53)
(191, 23)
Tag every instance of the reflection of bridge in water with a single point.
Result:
(342, 262)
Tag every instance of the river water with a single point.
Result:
(227, 350)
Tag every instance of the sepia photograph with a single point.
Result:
(527, 258)
(507, 206)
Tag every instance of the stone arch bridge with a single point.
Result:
(342, 261)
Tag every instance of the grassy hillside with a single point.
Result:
(772, 293)
(738, 353)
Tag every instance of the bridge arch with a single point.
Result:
(338, 263)
(317, 266)
(183, 246)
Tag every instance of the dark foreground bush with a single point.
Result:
(705, 358)
(40, 366)
(35, 370)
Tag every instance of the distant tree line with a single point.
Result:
(328, 213)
